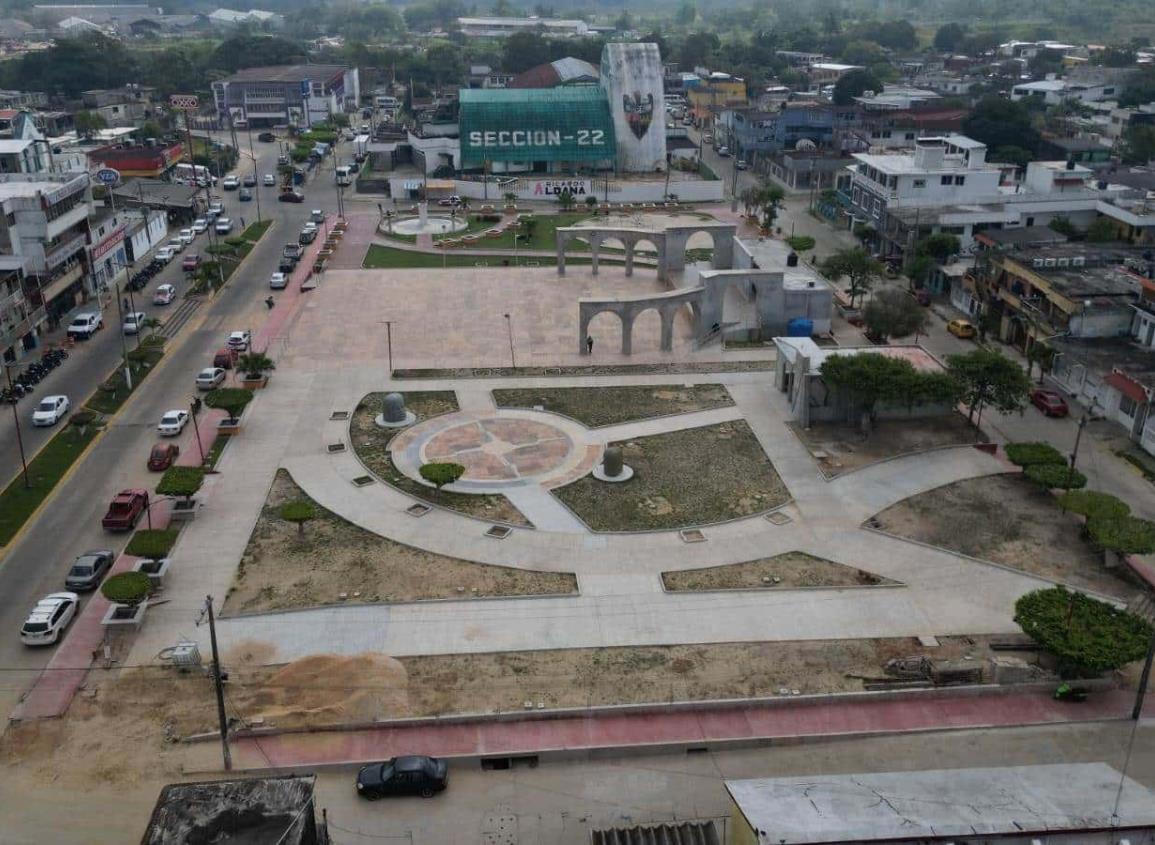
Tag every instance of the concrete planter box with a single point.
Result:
(511, 209)
(156, 570)
(229, 427)
(183, 511)
(255, 384)
(125, 616)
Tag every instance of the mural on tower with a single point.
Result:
(631, 75)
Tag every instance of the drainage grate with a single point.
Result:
(499, 532)
(339, 415)
(363, 480)
(336, 447)
(692, 535)
(418, 509)
(778, 518)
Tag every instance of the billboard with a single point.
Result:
(557, 187)
(632, 80)
(524, 125)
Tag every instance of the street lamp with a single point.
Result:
(8, 365)
(193, 409)
(389, 343)
(509, 329)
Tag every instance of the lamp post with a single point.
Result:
(509, 329)
(389, 343)
(193, 409)
(16, 419)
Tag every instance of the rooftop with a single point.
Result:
(156, 192)
(286, 73)
(1021, 237)
(1105, 354)
(14, 185)
(1083, 272)
(941, 805)
(792, 347)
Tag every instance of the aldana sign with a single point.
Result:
(557, 187)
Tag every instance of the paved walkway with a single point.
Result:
(786, 720)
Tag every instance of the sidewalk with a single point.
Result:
(763, 722)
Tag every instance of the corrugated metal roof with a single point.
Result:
(536, 124)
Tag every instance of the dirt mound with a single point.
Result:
(342, 689)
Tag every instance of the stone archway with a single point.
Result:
(627, 309)
(670, 244)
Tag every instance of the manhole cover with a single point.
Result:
(336, 447)
(499, 532)
(778, 518)
(362, 480)
(339, 415)
(418, 509)
(692, 535)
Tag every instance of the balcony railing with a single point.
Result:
(55, 257)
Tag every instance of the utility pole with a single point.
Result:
(221, 719)
(256, 179)
(16, 419)
(389, 343)
(1143, 679)
(1075, 452)
(123, 342)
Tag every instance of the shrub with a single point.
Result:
(1087, 636)
(231, 400)
(298, 512)
(181, 481)
(129, 588)
(1093, 504)
(1055, 476)
(441, 474)
(255, 364)
(82, 419)
(801, 243)
(1125, 535)
(151, 542)
(1030, 454)
(236, 240)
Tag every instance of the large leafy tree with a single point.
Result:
(858, 266)
(893, 313)
(1002, 123)
(1138, 145)
(74, 65)
(854, 84)
(990, 378)
(244, 50)
(524, 50)
(949, 37)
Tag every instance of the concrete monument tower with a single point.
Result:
(632, 79)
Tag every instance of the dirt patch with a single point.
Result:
(598, 406)
(796, 570)
(839, 447)
(695, 476)
(1008, 520)
(371, 443)
(283, 568)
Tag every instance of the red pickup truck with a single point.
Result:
(125, 509)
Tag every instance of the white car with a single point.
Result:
(134, 322)
(50, 410)
(49, 618)
(317, 215)
(210, 377)
(200, 225)
(186, 236)
(172, 423)
(231, 183)
(176, 245)
(279, 281)
(163, 255)
(164, 295)
(268, 180)
(239, 341)
(223, 225)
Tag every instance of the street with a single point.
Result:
(69, 523)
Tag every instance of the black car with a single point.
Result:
(267, 137)
(424, 776)
(245, 195)
(89, 569)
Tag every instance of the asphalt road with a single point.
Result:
(70, 523)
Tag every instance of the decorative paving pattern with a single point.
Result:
(499, 450)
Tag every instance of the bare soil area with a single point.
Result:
(695, 476)
(789, 570)
(1008, 520)
(840, 447)
(283, 568)
(371, 443)
(598, 406)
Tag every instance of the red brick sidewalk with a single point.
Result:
(784, 720)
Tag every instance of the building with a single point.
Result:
(1065, 804)
(23, 147)
(120, 107)
(44, 238)
(567, 71)
(827, 73)
(483, 76)
(251, 811)
(180, 203)
(717, 93)
(98, 13)
(1055, 91)
(897, 129)
(228, 18)
(800, 125)
(23, 99)
(897, 98)
(503, 27)
(150, 160)
(299, 95)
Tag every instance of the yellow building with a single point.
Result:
(709, 99)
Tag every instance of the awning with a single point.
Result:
(412, 185)
(1127, 386)
(440, 185)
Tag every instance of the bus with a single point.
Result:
(192, 174)
(387, 102)
(344, 175)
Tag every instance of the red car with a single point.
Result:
(162, 456)
(292, 196)
(125, 509)
(190, 263)
(1049, 402)
(225, 358)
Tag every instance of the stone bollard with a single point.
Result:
(395, 414)
(612, 468)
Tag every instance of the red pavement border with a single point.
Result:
(779, 721)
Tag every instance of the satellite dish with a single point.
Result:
(805, 144)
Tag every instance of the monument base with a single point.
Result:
(381, 422)
(599, 472)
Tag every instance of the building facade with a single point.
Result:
(296, 95)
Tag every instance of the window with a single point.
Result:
(946, 180)
(919, 183)
(909, 136)
(1127, 406)
(960, 180)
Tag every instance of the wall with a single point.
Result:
(619, 192)
(632, 79)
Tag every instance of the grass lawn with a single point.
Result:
(789, 570)
(113, 392)
(254, 231)
(214, 453)
(598, 406)
(694, 476)
(18, 502)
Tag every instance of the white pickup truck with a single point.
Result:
(84, 326)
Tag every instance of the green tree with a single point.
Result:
(298, 512)
(566, 200)
(858, 266)
(687, 13)
(1063, 226)
(698, 48)
(502, 9)
(868, 379)
(1012, 154)
(997, 122)
(524, 50)
(939, 246)
(1102, 230)
(88, 123)
(181, 481)
(769, 199)
(990, 378)
(854, 84)
(255, 364)
(1140, 88)
(1031, 454)
(231, 400)
(1087, 636)
(248, 50)
(948, 37)
(129, 588)
(893, 313)
(1137, 145)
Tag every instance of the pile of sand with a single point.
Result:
(329, 688)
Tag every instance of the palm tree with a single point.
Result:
(566, 200)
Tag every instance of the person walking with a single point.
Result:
(589, 344)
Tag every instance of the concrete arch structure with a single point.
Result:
(629, 309)
(670, 244)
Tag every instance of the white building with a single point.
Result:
(504, 27)
(1053, 92)
(301, 95)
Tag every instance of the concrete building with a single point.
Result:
(494, 27)
(1066, 804)
(100, 13)
(148, 160)
(796, 125)
(121, 107)
(23, 147)
(717, 93)
(228, 18)
(300, 95)
(631, 77)
(567, 71)
(1055, 91)
(827, 73)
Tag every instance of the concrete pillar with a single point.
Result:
(583, 331)
(627, 335)
(594, 244)
(668, 314)
(561, 245)
(629, 258)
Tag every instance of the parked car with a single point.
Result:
(172, 423)
(724, 151)
(88, 570)
(1050, 402)
(249, 180)
(186, 236)
(125, 510)
(239, 341)
(268, 180)
(453, 201)
(292, 251)
(282, 160)
(164, 295)
(318, 216)
(163, 255)
(424, 776)
(231, 183)
(50, 410)
(191, 263)
(308, 234)
(84, 326)
(291, 196)
(162, 456)
(223, 226)
(200, 225)
(210, 377)
(245, 195)
(225, 358)
(279, 281)
(267, 137)
(741, 164)
(49, 618)
(176, 245)
(216, 209)
(134, 322)
(961, 328)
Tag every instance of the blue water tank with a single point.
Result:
(800, 327)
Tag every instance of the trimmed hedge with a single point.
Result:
(1055, 476)
(1125, 535)
(154, 543)
(181, 481)
(1087, 636)
(441, 474)
(1093, 504)
(129, 588)
(1032, 454)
